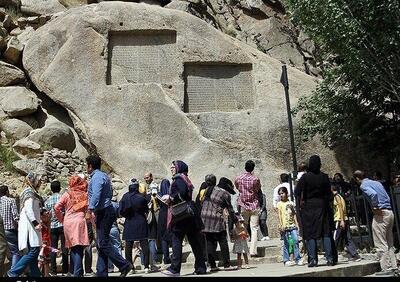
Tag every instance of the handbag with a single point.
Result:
(181, 211)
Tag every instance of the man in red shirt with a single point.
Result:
(248, 185)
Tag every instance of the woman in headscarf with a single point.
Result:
(181, 190)
(315, 199)
(75, 204)
(133, 207)
(29, 227)
(216, 200)
(163, 233)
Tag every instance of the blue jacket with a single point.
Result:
(100, 191)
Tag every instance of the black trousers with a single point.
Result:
(342, 236)
(88, 258)
(144, 245)
(212, 240)
(263, 227)
(194, 237)
(57, 234)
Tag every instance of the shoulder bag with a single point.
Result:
(181, 211)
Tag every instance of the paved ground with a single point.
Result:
(278, 270)
(262, 267)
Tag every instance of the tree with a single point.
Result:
(358, 101)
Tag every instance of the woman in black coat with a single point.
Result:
(133, 207)
(181, 189)
(315, 199)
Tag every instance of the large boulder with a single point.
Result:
(10, 75)
(54, 134)
(41, 7)
(27, 165)
(18, 101)
(26, 148)
(147, 85)
(15, 129)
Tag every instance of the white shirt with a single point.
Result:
(276, 198)
(300, 174)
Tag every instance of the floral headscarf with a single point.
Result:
(33, 181)
(78, 192)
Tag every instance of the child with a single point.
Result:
(288, 227)
(44, 254)
(240, 235)
(342, 232)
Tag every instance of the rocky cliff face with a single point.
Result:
(262, 24)
(143, 85)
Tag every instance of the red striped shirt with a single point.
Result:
(248, 185)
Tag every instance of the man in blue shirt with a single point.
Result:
(99, 196)
(382, 222)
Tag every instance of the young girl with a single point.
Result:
(44, 254)
(288, 227)
(240, 236)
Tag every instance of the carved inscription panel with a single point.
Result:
(140, 57)
(224, 88)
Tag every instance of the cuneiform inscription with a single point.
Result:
(215, 87)
(137, 57)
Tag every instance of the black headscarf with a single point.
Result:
(227, 185)
(125, 205)
(181, 167)
(203, 186)
(182, 170)
(314, 164)
(134, 186)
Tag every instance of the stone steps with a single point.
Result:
(267, 250)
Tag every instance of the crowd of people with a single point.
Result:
(156, 218)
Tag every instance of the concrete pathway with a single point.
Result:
(354, 269)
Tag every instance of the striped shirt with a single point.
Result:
(9, 212)
(248, 185)
(212, 210)
(49, 205)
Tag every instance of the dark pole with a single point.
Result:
(285, 82)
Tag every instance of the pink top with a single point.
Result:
(248, 185)
(75, 228)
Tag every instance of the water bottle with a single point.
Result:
(291, 244)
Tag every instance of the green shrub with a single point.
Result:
(7, 157)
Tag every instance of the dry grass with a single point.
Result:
(14, 12)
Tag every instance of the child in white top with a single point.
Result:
(240, 236)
